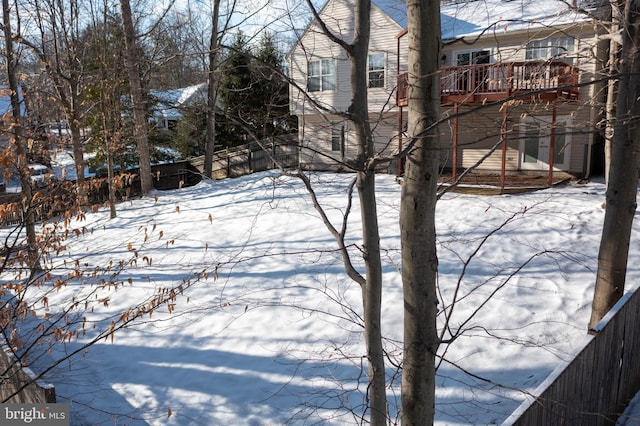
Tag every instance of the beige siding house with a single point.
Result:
(515, 73)
(321, 69)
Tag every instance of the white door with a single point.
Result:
(535, 144)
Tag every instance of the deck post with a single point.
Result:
(503, 136)
(400, 171)
(552, 144)
(454, 165)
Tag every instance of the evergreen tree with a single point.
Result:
(272, 90)
(235, 91)
(191, 132)
(254, 92)
(106, 87)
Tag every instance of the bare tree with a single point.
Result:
(19, 142)
(417, 215)
(622, 187)
(366, 162)
(365, 182)
(610, 106)
(214, 48)
(137, 98)
(372, 287)
(58, 28)
(106, 88)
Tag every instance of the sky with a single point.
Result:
(273, 334)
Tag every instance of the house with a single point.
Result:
(170, 105)
(524, 66)
(322, 68)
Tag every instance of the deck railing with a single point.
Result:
(478, 83)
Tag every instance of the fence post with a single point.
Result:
(273, 152)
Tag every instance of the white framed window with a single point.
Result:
(557, 48)
(321, 75)
(473, 75)
(376, 70)
(473, 57)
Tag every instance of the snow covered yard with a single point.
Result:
(270, 334)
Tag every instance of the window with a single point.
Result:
(472, 80)
(337, 140)
(321, 75)
(552, 48)
(473, 57)
(376, 70)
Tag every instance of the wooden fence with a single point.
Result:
(242, 160)
(21, 382)
(165, 176)
(596, 386)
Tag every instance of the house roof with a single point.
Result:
(396, 9)
(170, 102)
(463, 18)
(473, 17)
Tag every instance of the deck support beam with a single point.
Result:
(552, 144)
(454, 165)
(503, 137)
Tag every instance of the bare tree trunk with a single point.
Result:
(63, 67)
(372, 297)
(358, 114)
(137, 98)
(417, 215)
(20, 143)
(78, 157)
(107, 145)
(610, 107)
(211, 92)
(111, 184)
(372, 288)
(623, 178)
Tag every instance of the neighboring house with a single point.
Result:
(170, 105)
(529, 57)
(322, 68)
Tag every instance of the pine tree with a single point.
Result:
(235, 91)
(254, 92)
(272, 90)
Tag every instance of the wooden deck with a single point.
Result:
(494, 82)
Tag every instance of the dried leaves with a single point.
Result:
(48, 293)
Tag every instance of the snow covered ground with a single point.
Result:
(274, 335)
